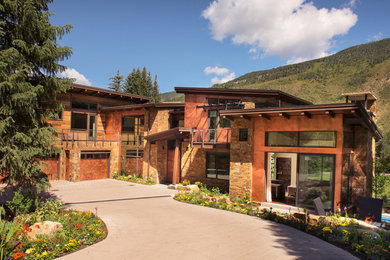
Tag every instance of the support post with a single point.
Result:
(176, 163)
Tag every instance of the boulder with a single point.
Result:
(172, 186)
(315, 220)
(299, 215)
(48, 228)
(193, 187)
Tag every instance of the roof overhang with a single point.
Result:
(353, 110)
(243, 92)
(105, 93)
(171, 105)
(171, 134)
(359, 96)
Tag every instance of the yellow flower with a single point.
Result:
(44, 254)
(98, 232)
(346, 233)
(30, 251)
(327, 229)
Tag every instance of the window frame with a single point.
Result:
(216, 154)
(298, 144)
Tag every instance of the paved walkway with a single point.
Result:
(144, 222)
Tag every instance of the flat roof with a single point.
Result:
(354, 109)
(359, 96)
(135, 106)
(105, 93)
(244, 92)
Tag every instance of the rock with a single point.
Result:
(315, 220)
(48, 228)
(181, 187)
(370, 231)
(193, 187)
(172, 186)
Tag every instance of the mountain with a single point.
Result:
(364, 67)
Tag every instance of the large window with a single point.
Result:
(79, 121)
(315, 179)
(132, 123)
(215, 120)
(78, 105)
(218, 165)
(302, 139)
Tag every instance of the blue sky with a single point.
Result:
(195, 43)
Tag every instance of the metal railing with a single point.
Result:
(70, 136)
(132, 138)
(210, 136)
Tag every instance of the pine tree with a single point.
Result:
(116, 83)
(156, 92)
(139, 82)
(29, 62)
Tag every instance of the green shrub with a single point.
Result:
(21, 203)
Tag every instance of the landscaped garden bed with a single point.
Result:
(135, 178)
(48, 232)
(344, 232)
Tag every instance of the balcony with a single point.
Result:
(133, 139)
(88, 138)
(211, 138)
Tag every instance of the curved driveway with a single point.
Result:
(144, 222)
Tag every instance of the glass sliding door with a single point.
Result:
(315, 179)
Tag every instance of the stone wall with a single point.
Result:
(155, 154)
(241, 159)
(193, 166)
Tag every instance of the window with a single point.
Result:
(317, 139)
(79, 121)
(84, 105)
(281, 138)
(302, 139)
(243, 135)
(95, 155)
(132, 123)
(215, 120)
(134, 154)
(218, 165)
(265, 104)
(315, 179)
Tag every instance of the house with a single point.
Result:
(266, 144)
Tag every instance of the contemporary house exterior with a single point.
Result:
(265, 144)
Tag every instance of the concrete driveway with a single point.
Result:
(144, 222)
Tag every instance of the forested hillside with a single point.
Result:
(360, 68)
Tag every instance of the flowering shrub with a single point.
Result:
(135, 178)
(79, 229)
(340, 231)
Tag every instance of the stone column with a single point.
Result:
(176, 163)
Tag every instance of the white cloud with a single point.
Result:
(224, 72)
(216, 70)
(74, 74)
(378, 36)
(227, 78)
(295, 30)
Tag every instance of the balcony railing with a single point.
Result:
(132, 139)
(205, 137)
(70, 136)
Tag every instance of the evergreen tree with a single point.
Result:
(139, 82)
(156, 92)
(116, 83)
(29, 62)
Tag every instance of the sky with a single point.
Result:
(197, 43)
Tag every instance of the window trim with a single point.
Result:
(298, 139)
(82, 109)
(216, 169)
(88, 120)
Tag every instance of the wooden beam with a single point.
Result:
(265, 116)
(245, 117)
(353, 112)
(306, 114)
(285, 115)
(329, 113)
(229, 117)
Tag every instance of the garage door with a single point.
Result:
(94, 165)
